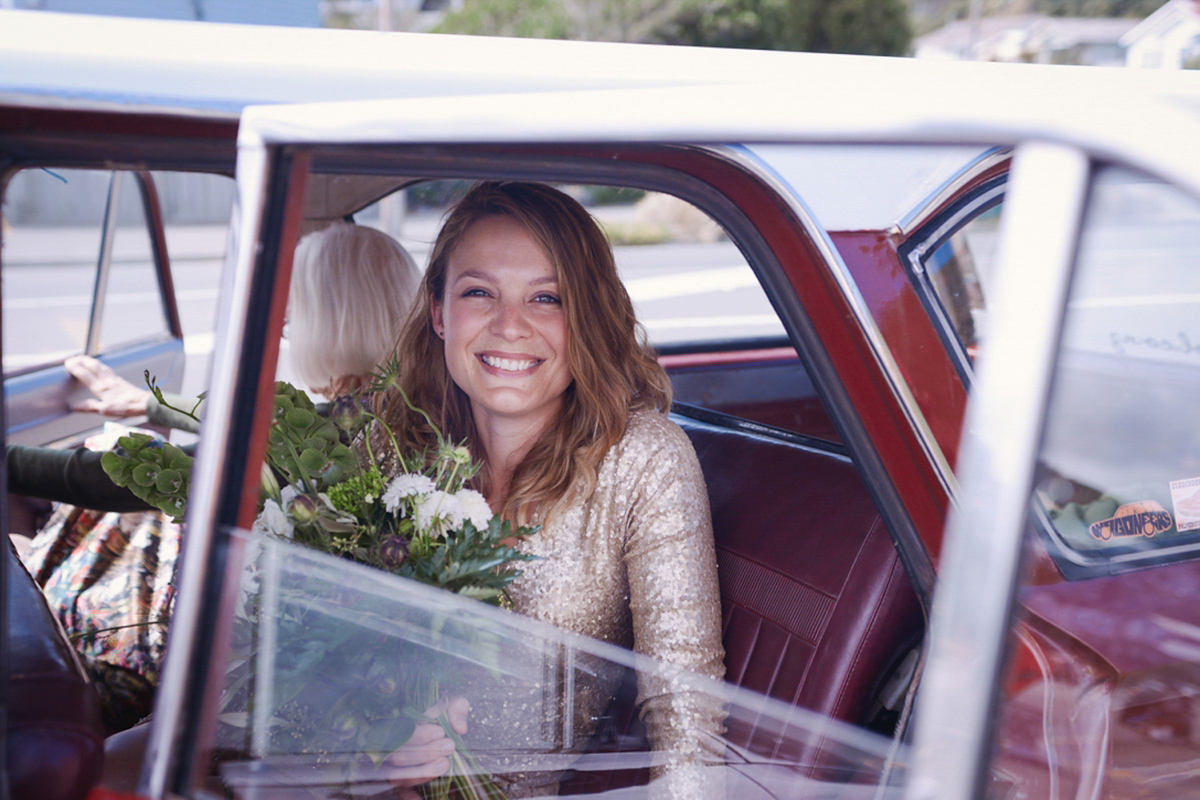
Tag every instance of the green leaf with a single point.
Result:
(145, 474)
(169, 480)
(299, 419)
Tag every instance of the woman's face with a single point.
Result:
(503, 323)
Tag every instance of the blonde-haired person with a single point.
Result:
(523, 342)
(350, 293)
(351, 290)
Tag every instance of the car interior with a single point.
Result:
(817, 605)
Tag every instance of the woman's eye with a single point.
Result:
(547, 298)
(475, 293)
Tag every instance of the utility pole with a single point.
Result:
(392, 208)
(974, 12)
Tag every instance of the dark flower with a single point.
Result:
(393, 551)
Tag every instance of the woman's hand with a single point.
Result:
(115, 396)
(426, 755)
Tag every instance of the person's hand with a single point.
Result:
(426, 755)
(115, 396)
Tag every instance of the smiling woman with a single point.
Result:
(502, 320)
(526, 346)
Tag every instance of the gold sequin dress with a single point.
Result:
(633, 565)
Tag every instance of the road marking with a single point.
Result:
(85, 300)
(1131, 300)
(732, 321)
(683, 284)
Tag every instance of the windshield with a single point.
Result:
(332, 665)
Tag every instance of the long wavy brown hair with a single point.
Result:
(614, 370)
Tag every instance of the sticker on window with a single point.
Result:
(1185, 497)
(1144, 518)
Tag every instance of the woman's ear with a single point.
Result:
(435, 316)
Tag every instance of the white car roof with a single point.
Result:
(462, 86)
(143, 64)
(1153, 132)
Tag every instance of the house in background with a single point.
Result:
(1032, 38)
(1167, 39)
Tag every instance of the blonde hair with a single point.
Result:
(614, 369)
(351, 290)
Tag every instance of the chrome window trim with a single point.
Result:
(917, 216)
(104, 263)
(930, 241)
(165, 768)
(972, 608)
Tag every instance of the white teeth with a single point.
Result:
(507, 364)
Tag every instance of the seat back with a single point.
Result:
(54, 736)
(816, 605)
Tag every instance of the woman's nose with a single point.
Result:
(510, 321)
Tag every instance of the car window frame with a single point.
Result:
(272, 184)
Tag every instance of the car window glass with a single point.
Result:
(959, 271)
(1120, 466)
(132, 306)
(52, 231)
(331, 664)
(53, 247)
(196, 210)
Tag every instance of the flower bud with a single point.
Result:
(393, 551)
(303, 508)
(347, 413)
(345, 725)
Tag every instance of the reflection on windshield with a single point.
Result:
(332, 665)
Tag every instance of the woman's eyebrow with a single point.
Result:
(484, 275)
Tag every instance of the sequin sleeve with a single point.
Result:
(675, 604)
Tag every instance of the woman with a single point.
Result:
(523, 343)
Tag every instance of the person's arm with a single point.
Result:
(67, 476)
(675, 602)
(117, 397)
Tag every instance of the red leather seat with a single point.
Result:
(817, 607)
(54, 737)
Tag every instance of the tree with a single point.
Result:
(1098, 8)
(873, 27)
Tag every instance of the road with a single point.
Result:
(682, 291)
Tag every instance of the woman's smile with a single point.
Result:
(503, 364)
(502, 319)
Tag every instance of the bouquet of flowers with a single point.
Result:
(423, 523)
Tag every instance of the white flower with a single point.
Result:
(404, 486)
(473, 506)
(272, 521)
(435, 512)
(287, 495)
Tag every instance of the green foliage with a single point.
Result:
(471, 562)
(352, 494)
(526, 19)
(157, 472)
(871, 27)
(1097, 8)
(612, 195)
(303, 446)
